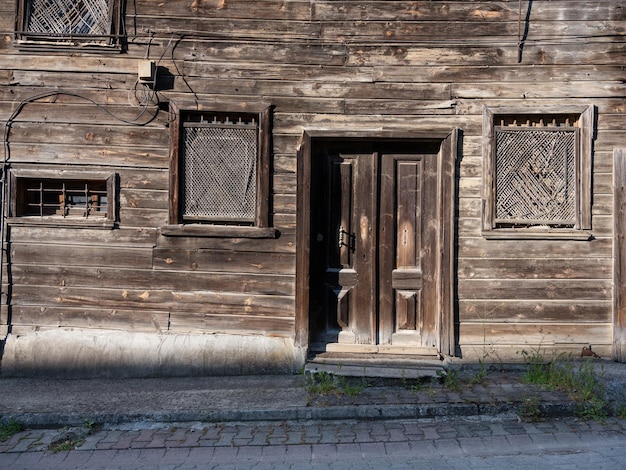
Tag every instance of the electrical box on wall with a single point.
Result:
(146, 71)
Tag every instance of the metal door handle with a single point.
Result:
(342, 239)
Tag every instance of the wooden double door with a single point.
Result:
(374, 244)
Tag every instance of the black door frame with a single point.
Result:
(447, 161)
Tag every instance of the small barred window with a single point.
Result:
(69, 198)
(42, 198)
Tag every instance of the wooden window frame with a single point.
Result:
(107, 220)
(260, 227)
(584, 160)
(94, 43)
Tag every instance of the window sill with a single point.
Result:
(217, 231)
(62, 46)
(61, 223)
(537, 234)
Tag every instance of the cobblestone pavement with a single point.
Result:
(424, 443)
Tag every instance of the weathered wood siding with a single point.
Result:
(418, 65)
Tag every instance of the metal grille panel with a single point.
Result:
(219, 172)
(535, 177)
(69, 17)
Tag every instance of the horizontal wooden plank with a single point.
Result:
(442, 29)
(181, 322)
(215, 26)
(284, 203)
(607, 104)
(225, 261)
(98, 112)
(301, 89)
(73, 255)
(283, 243)
(272, 9)
(481, 248)
(571, 89)
(413, 54)
(294, 122)
(114, 86)
(143, 217)
(197, 302)
(272, 53)
(144, 198)
(284, 183)
(89, 135)
(84, 155)
(72, 317)
(461, 73)
(560, 11)
(536, 268)
(68, 63)
(285, 163)
(129, 278)
(528, 311)
(224, 70)
(129, 178)
(535, 289)
(383, 107)
(88, 238)
(144, 178)
(534, 336)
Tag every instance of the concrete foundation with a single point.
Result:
(88, 354)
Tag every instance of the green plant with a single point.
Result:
(66, 442)
(450, 379)
(594, 408)
(580, 383)
(10, 428)
(352, 389)
(480, 376)
(530, 409)
(322, 383)
(620, 412)
(325, 383)
(92, 426)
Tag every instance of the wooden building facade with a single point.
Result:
(228, 186)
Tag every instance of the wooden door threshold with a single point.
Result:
(380, 365)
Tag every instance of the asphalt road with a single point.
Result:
(380, 444)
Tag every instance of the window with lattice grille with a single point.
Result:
(219, 159)
(220, 170)
(70, 23)
(537, 172)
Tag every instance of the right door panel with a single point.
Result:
(407, 235)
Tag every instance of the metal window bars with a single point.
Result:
(68, 198)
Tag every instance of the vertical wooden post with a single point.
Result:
(619, 255)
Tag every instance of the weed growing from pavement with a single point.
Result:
(324, 383)
(10, 428)
(621, 411)
(450, 379)
(578, 379)
(480, 376)
(530, 409)
(67, 441)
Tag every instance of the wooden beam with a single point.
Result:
(619, 263)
